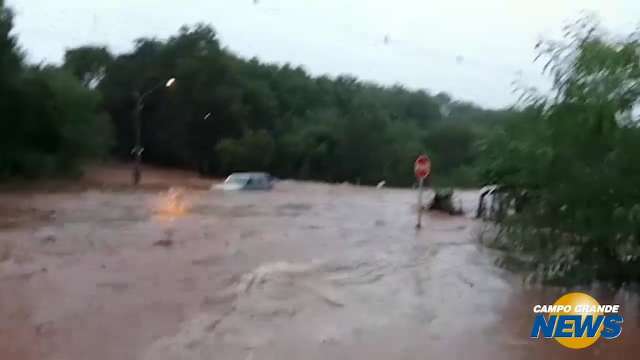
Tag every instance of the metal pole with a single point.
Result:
(137, 124)
(420, 191)
(137, 150)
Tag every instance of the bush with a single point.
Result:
(49, 122)
(54, 127)
(578, 163)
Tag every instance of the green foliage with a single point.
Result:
(576, 155)
(252, 152)
(88, 63)
(225, 113)
(53, 127)
(49, 121)
(10, 56)
(453, 146)
(332, 129)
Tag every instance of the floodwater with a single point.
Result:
(307, 271)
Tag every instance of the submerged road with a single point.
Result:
(307, 271)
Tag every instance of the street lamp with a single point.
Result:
(137, 124)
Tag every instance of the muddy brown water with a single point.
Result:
(307, 271)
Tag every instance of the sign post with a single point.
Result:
(422, 169)
(420, 191)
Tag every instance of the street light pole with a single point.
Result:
(137, 129)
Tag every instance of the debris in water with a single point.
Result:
(465, 280)
(443, 201)
(47, 236)
(164, 243)
(329, 340)
(5, 252)
(295, 206)
(45, 328)
(212, 327)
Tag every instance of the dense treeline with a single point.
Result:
(574, 159)
(49, 121)
(226, 114)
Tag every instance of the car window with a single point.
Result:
(237, 179)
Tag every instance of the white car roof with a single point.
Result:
(249, 174)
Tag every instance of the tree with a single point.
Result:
(10, 56)
(577, 161)
(88, 63)
(49, 122)
(334, 129)
(252, 152)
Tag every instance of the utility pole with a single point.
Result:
(137, 129)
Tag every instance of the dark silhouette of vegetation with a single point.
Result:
(49, 121)
(576, 156)
(226, 114)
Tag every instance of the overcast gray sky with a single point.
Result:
(472, 49)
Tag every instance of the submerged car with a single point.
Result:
(247, 181)
(498, 201)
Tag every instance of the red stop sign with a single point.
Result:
(422, 167)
